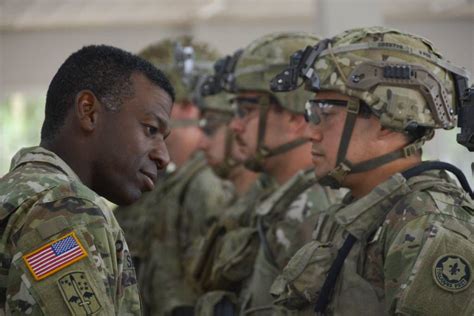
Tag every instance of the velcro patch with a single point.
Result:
(54, 256)
(78, 293)
(452, 273)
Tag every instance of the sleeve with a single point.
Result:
(70, 257)
(428, 262)
(162, 276)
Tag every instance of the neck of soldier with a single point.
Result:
(363, 183)
(285, 165)
(68, 150)
(242, 178)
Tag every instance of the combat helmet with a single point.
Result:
(400, 77)
(219, 112)
(250, 70)
(185, 62)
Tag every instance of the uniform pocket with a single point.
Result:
(302, 279)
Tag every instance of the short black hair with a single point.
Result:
(102, 69)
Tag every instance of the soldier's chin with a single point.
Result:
(125, 198)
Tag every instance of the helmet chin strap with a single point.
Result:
(256, 162)
(223, 169)
(336, 176)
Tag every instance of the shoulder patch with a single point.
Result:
(54, 256)
(78, 293)
(452, 273)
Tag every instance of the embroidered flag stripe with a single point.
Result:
(54, 256)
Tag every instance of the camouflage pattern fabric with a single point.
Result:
(179, 211)
(397, 106)
(413, 255)
(41, 202)
(246, 265)
(287, 219)
(209, 272)
(263, 58)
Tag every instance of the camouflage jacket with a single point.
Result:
(62, 250)
(216, 269)
(182, 207)
(284, 222)
(413, 253)
(250, 255)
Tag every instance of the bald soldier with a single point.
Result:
(188, 200)
(62, 251)
(401, 242)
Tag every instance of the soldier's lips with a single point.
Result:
(210, 160)
(149, 179)
(239, 142)
(316, 156)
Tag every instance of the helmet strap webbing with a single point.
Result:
(352, 110)
(255, 163)
(223, 169)
(184, 123)
(343, 167)
(405, 152)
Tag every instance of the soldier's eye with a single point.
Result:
(151, 130)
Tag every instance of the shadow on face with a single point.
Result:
(129, 146)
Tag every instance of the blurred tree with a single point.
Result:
(21, 118)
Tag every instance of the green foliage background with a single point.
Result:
(20, 125)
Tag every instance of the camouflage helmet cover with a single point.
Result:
(163, 55)
(219, 102)
(262, 59)
(396, 103)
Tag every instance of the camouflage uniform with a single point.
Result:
(45, 206)
(182, 208)
(413, 249)
(239, 262)
(250, 255)
(409, 234)
(164, 225)
(214, 269)
(285, 221)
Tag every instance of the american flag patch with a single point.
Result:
(55, 256)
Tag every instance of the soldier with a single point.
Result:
(62, 251)
(188, 200)
(217, 141)
(401, 242)
(269, 130)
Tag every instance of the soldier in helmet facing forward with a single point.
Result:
(256, 241)
(401, 241)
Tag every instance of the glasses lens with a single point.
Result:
(208, 126)
(243, 106)
(311, 114)
(315, 110)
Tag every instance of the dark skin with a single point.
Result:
(117, 153)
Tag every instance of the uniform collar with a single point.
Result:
(362, 217)
(39, 154)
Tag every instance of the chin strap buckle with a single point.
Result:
(335, 177)
(411, 149)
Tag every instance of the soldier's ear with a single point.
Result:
(297, 124)
(86, 108)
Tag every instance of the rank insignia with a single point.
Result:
(452, 273)
(54, 256)
(78, 294)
